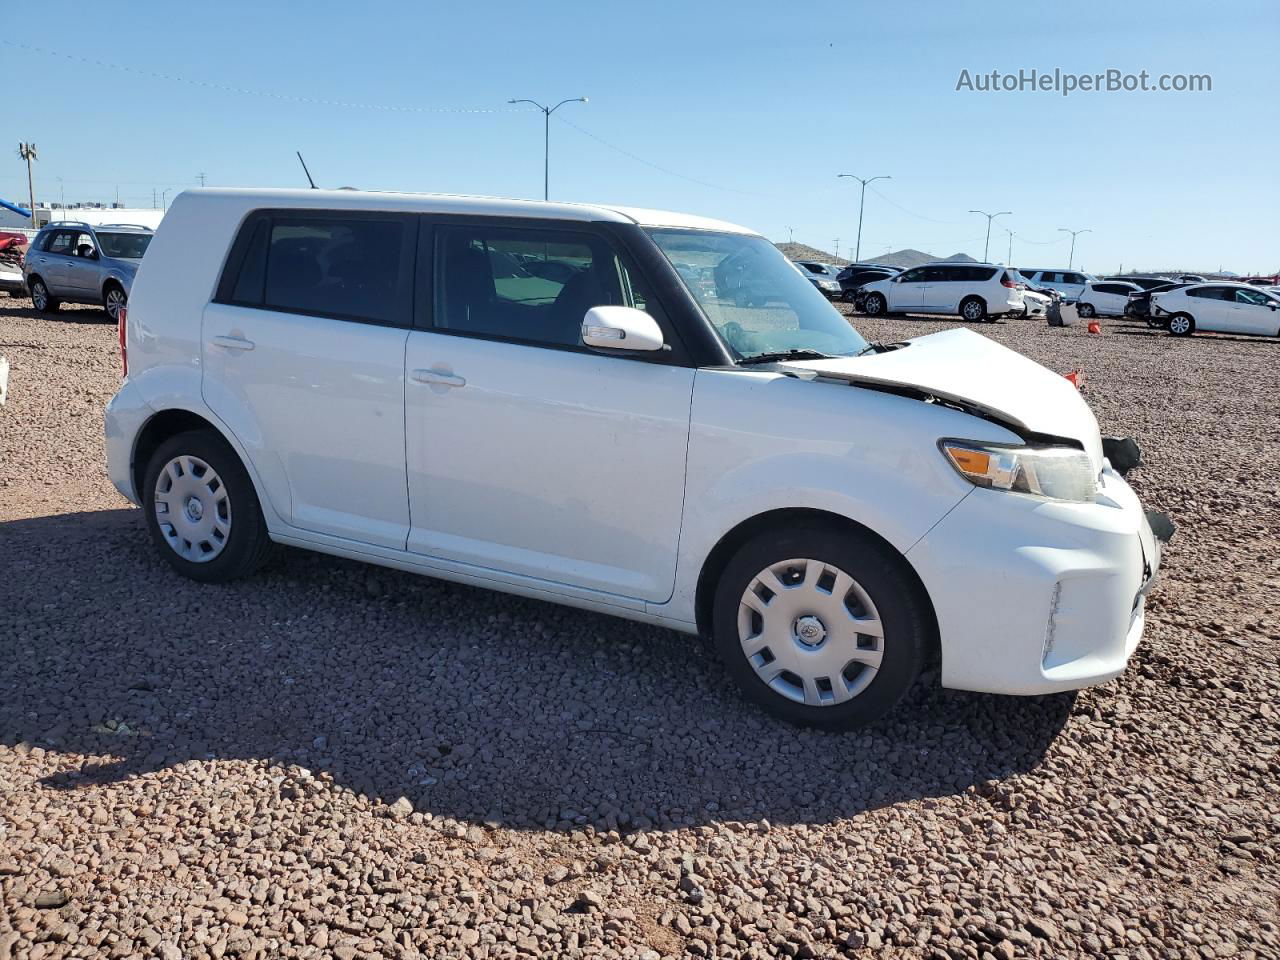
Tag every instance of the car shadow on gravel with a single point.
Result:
(472, 704)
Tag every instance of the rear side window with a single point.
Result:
(344, 266)
(527, 285)
(59, 242)
(1210, 293)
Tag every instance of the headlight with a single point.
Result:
(1056, 473)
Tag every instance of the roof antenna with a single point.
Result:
(306, 171)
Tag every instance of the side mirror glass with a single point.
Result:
(621, 328)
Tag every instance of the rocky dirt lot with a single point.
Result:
(335, 760)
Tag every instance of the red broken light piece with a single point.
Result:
(1076, 377)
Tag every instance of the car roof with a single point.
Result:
(460, 204)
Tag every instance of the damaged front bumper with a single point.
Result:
(1035, 596)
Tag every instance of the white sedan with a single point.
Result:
(1218, 307)
(1106, 298)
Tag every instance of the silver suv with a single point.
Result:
(75, 262)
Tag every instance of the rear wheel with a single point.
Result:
(202, 510)
(820, 628)
(874, 305)
(41, 298)
(113, 300)
(974, 309)
(1086, 311)
(1182, 325)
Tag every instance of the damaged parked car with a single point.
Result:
(364, 375)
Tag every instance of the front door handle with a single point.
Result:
(233, 343)
(437, 377)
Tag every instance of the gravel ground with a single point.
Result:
(335, 760)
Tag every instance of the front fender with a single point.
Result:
(761, 442)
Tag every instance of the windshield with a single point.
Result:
(756, 299)
(124, 246)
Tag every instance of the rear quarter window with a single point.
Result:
(347, 266)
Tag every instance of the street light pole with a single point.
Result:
(546, 138)
(990, 216)
(164, 193)
(857, 255)
(27, 151)
(1071, 259)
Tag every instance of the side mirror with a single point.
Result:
(621, 328)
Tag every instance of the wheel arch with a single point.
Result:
(729, 544)
(158, 429)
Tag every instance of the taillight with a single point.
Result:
(121, 332)
(1008, 282)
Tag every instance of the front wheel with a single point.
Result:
(820, 628)
(114, 300)
(874, 305)
(42, 299)
(1182, 325)
(202, 510)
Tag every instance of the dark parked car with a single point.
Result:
(821, 275)
(855, 275)
(1139, 305)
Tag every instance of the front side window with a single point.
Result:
(529, 285)
(1255, 297)
(913, 276)
(124, 246)
(1210, 293)
(758, 303)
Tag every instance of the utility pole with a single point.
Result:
(990, 216)
(153, 198)
(862, 202)
(27, 151)
(791, 234)
(546, 138)
(1009, 262)
(1071, 258)
(837, 248)
(200, 177)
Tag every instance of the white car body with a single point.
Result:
(1070, 283)
(1106, 298)
(1219, 307)
(1037, 304)
(944, 287)
(606, 482)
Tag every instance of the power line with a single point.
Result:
(246, 91)
(655, 166)
(918, 216)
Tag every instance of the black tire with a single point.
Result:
(875, 305)
(879, 571)
(847, 296)
(113, 299)
(1181, 325)
(1086, 311)
(42, 299)
(247, 546)
(974, 309)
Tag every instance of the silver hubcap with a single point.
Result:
(193, 509)
(115, 300)
(1179, 325)
(873, 305)
(972, 311)
(810, 632)
(39, 296)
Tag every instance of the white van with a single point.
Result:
(531, 397)
(975, 291)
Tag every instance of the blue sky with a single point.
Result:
(751, 109)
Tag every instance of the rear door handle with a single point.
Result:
(436, 376)
(233, 343)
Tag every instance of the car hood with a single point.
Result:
(966, 368)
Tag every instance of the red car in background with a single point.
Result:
(13, 247)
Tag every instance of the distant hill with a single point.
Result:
(901, 258)
(802, 251)
(913, 258)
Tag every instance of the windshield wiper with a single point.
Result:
(784, 355)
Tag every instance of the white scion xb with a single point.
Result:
(532, 397)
